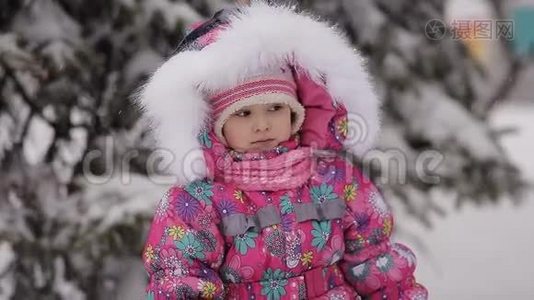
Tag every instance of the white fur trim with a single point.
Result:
(293, 104)
(258, 37)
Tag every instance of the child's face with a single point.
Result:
(258, 127)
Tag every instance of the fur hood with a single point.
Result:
(252, 38)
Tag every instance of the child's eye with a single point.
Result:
(242, 113)
(276, 107)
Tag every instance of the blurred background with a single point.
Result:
(456, 78)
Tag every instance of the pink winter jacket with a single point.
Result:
(329, 238)
(187, 255)
(210, 240)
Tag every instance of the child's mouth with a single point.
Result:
(262, 142)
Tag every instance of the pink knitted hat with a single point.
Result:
(266, 87)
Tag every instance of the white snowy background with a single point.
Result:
(485, 252)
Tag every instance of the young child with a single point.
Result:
(270, 210)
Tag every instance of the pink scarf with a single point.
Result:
(285, 171)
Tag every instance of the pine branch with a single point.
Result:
(11, 74)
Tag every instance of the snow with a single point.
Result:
(519, 146)
(7, 257)
(132, 281)
(45, 21)
(394, 66)
(60, 53)
(119, 200)
(8, 43)
(142, 63)
(216, 5)
(40, 137)
(408, 45)
(73, 151)
(69, 153)
(65, 288)
(442, 120)
(6, 130)
(365, 19)
(483, 252)
(474, 9)
(79, 117)
(173, 12)
(128, 3)
(29, 82)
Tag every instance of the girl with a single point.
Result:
(273, 212)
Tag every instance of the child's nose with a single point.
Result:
(261, 124)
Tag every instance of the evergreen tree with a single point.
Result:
(69, 199)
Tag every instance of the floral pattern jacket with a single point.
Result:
(191, 254)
